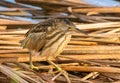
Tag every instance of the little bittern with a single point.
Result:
(48, 39)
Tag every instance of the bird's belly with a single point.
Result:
(58, 46)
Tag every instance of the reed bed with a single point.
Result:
(92, 58)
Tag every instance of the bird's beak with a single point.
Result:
(78, 30)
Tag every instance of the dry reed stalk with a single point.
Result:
(69, 49)
(12, 22)
(113, 31)
(89, 56)
(16, 42)
(18, 71)
(12, 55)
(3, 27)
(10, 48)
(105, 40)
(112, 75)
(107, 61)
(91, 52)
(92, 69)
(102, 47)
(97, 9)
(9, 42)
(91, 75)
(27, 78)
(76, 8)
(9, 37)
(82, 43)
(110, 35)
(98, 25)
(5, 35)
(103, 35)
(52, 3)
(17, 32)
(60, 65)
(14, 13)
(75, 1)
(116, 82)
(101, 31)
(24, 57)
(7, 71)
(15, 9)
(111, 18)
(13, 51)
(12, 5)
(43, 76)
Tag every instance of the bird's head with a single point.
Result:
(66, 25)
(72, 27)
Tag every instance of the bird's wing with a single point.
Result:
(36, 29)
(34, 41)
(36, 36)
(40, 27)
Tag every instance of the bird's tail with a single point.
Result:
(22, 43)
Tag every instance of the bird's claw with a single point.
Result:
(34, 67)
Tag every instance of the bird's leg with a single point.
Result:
(59, 70)
(31, 63)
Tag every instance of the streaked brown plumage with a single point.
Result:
(47, 35)
(48, 39)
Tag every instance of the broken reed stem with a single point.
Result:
(92, 74)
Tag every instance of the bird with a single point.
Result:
(49, 38)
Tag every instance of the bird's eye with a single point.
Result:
(71, 28)
(67, 22)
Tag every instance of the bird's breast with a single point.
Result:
(53, 38)
(55, 45)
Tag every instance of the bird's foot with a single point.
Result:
(34, 67)
(59, 71)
